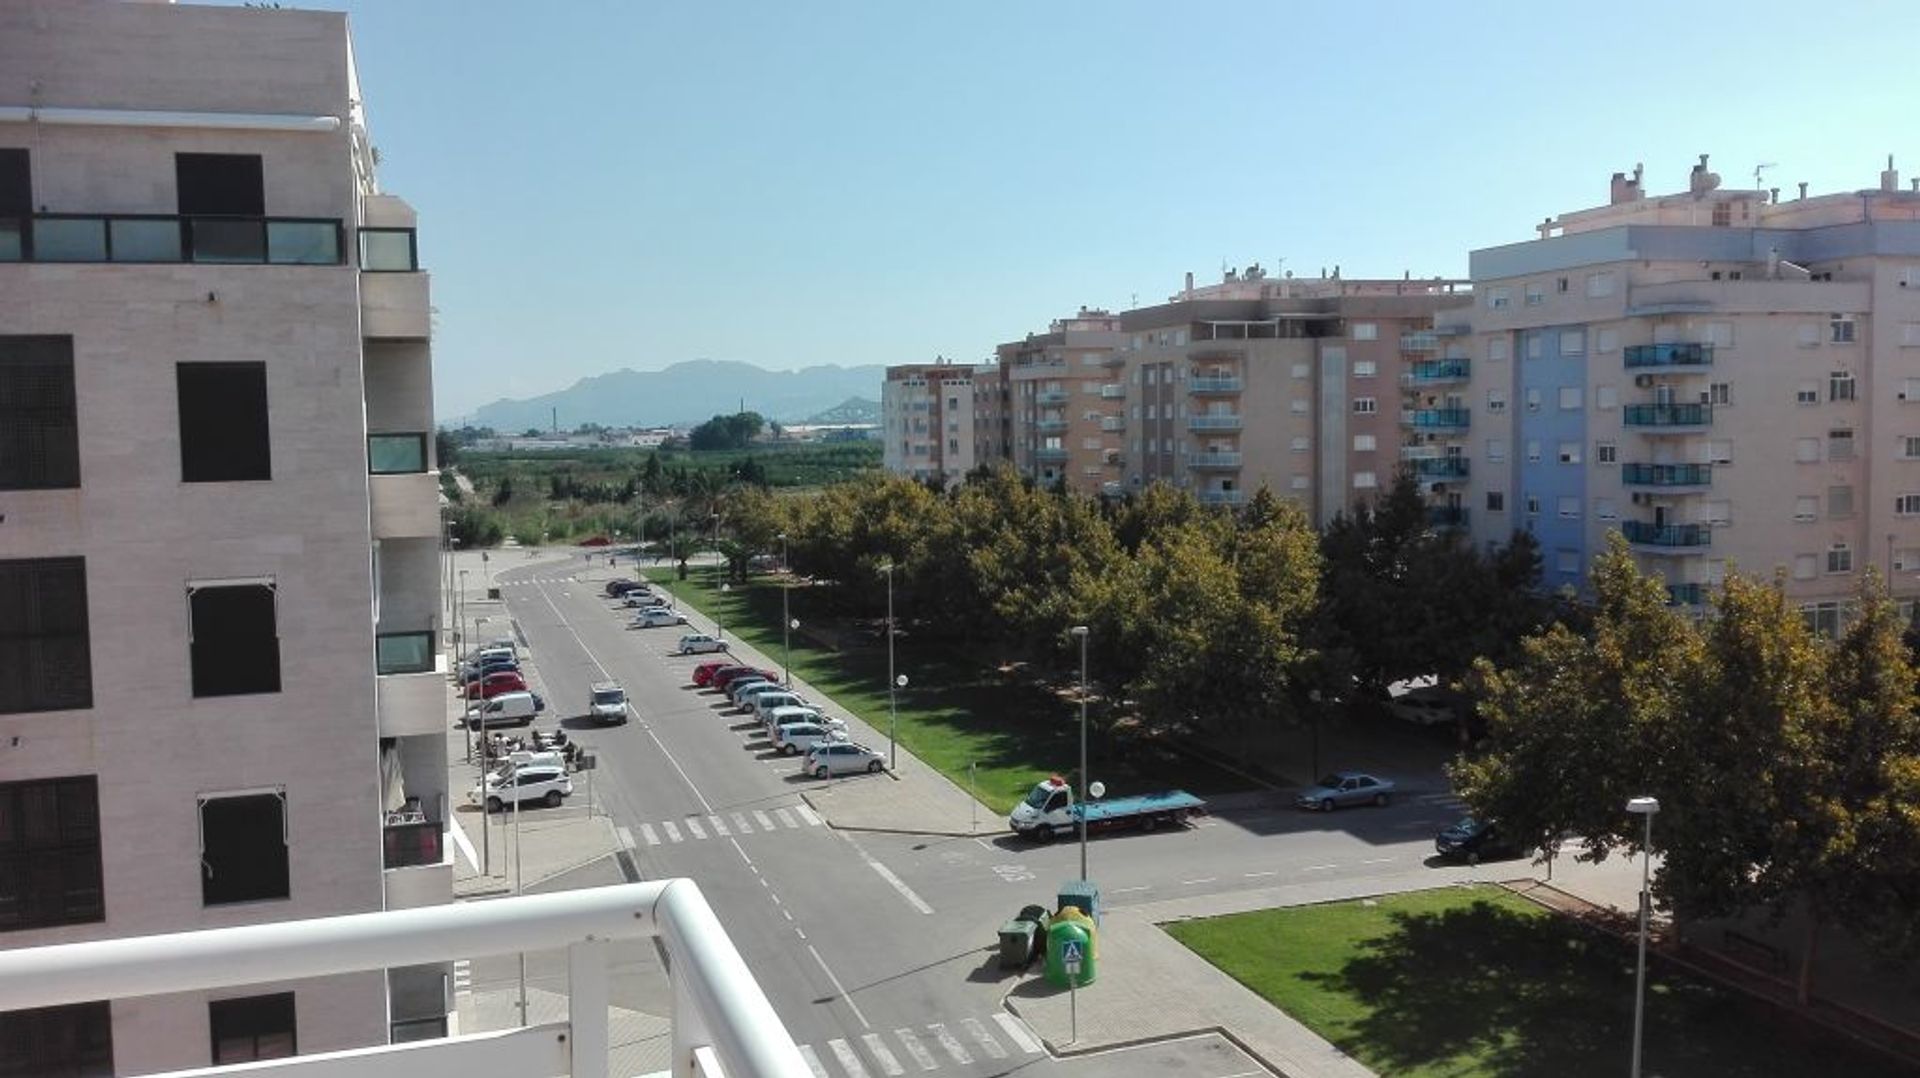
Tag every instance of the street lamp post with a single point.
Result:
(1646, 808)
(893, 706)
(1081, 632)
(787, 623)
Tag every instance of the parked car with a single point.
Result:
(617, 588)
(764, 704)
(607, 702)
(798, 737)
(495, 650)
(727, 675)
(781, 716)
(1424, 706)
(491, 666)
(506, 709)
(700, 644)
(705, 671)
(542, 782)
(1345, 788)
(640, 596)
(1474, 840)
(842, 758)
(740, 686)
(654, 617)
(744, 700)
(494, 684)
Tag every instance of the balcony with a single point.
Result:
(1051, 453)
(1050, 397)
(405, 506)
(1669, 355)
(1213, 422)
(1435, 419)
(1679, 418)
(1666, 538)
(1113, 392)
(1214, 461)
(1687, 594)
(1222, 497)
(150, 239)
(1113, 422)
(396, 454)
(417, 858)
(1201, 387)
(1667, 476)
(1446, 516)
(1433, 372)
(389, 250)
(1419, 342)
(394, 306)
(410, 702)
(1440, 468)
(721, 1019)
(1050, 426)
(1760, 296)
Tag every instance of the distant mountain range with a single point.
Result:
(689, 392)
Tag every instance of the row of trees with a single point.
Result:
(1787, 766)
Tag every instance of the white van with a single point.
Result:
(506, 709)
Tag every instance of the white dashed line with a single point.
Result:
(1124, 890)
(1205, 879)
(1318, 868)
(1257, 875)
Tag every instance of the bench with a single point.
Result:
(1752, 952)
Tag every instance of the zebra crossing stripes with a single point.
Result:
(672, 829)
(843, 1058)
(807, 814)
(951, 1043)
(1016, 1032)
(719, 826)
(740, 824)
(915, 1049)
(881, 1054)
(849, 1059)
(646, 832)
(785, 820)
(979, 1033)
(763, 819)
(813, 1061)
(696, 828)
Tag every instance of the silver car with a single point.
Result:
(1345, 788)
(842, 758)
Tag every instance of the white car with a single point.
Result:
(745, 698)
(699, 644)
(797, 737)
(780, 716)
(842, 758)
(607, 702)
(766, 703)
(737, 688)
(543, 782)
(638, 597)
(659, 615)
(1423, 710)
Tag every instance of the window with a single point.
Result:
(1719, 514)
(1571, 398)
(1497, 349)
(1496, 401)
(1498, 298)
(1840, 386)
(45, 655)
(1533, 505)
(1561, 285)
(1807, 393)
(73, 1040)
(235, 642)
(1600, 285)
(1907, 505)
(1366, 331)
(1840, 328)
(1840, 500)
(1808, 335)
(1299, 445)
(1361, 406)
(223, 422)
(1496, 501)
(1910, 334)
(1569, 453)
(1806, 509)
(1365, 481)
(39, 431)
(1533, 451)
(50, 854)
(1906, 560)
(1840, 444)
(1605, 509)
(1720, 334)
(1606, 340)
(1299, 407)
(1536, 346)
(1573, 342)
(1300, 370)
(1719, 451)
(1365, 443)
(252, 1027)
(1807, 450)
(1910, 448)
(219, 185)
(1496, 450)
(1533, 400)
(1606, 398)
(1719, 394)
(1569, 508)
(1533, 294)
(243, 847)
(1365, 368)
(1824, 619)
(1839, 558)
(1566, 561)
(396, 454)
(1806, 566)
(1298, 482)
(1606, 453)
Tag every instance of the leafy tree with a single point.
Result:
(446, 448)
(727, 432)
(504, 492)
(531, 432)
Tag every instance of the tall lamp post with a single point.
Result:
(1646, 808)
(893, 706)
(786, 622)
(1081, 632)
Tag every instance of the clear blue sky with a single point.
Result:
(620, 184)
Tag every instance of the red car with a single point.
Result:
(725, 676)
(494, 684)
(705, 671)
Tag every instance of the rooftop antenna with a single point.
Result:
(1760, 169)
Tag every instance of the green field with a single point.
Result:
(1480, 983)
(955, 710)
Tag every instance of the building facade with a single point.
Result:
(1726, 377)
(939, 420)
(1066, 413)
(221, 701)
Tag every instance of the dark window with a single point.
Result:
(252, 1027)
(223, 422)
(39, 431)
(243, 849)
(44, 653)
(16, 204)
(236, 645)
(220, 185)
(75, 1041)
(50, 853)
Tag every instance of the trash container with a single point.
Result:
(1083, 895)
(1069, 941)
(1016, 944)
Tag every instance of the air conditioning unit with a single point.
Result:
(1643, 380)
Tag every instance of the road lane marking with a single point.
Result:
(1124, 890)
(917, 1050)
(813, 1061)
(694, 828)
(881, 1053)
(466, 847)
(849, 1059)
(951, 1043)
(1379, 861)
(1318, 868)
(807, 814)
(1017, 1032)
(765, 821)
(838, 987)
(1257, 875)
(886, 874)
(673, 833)
(785, 820)
(740, 824)
(979, 1033)
(646, 829)
(719, 826)
(1207, 879)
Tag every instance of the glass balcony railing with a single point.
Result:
(1213, 422)
(1686, 594)
(409, 845)
(1050, 396)
(1113, 392)
(1436, 419)
(1419, 342)
(1050, 453)
(1050, 426)
(1667, 415)
(1644, 533)
(1666, 475)
(1214, 460)
(1223, 497)
(1113, 422)
(1669, 355)
(1435, 371)
(389, 250)
(403, 653)
(396, 454)
(1446, 516)
(1213, 385)
(158, 238)
(1440, 468)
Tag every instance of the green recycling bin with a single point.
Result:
(1069, 947)
(1084, 895)
(1016, 944)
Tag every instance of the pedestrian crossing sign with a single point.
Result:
(1070, 955)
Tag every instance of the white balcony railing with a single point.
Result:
(722, 1022)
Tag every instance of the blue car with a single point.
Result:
(1345, 788)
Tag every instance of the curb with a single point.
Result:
(1064, 1052)
(914, 831)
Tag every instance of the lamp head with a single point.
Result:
(1644, 806)
(1078, 630)
(901, 681)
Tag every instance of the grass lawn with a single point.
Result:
(954, 711)
(1479, 983)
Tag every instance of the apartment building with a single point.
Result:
(1292, 384)
(220, 698)
(939, 420)
(1066, 403)
(1726, 377)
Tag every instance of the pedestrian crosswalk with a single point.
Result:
(932, 1046)
(721, 825)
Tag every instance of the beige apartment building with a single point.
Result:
(1728, 377)
(940, 420)
(1066, 403)
(220, 697)
(1292, 384)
